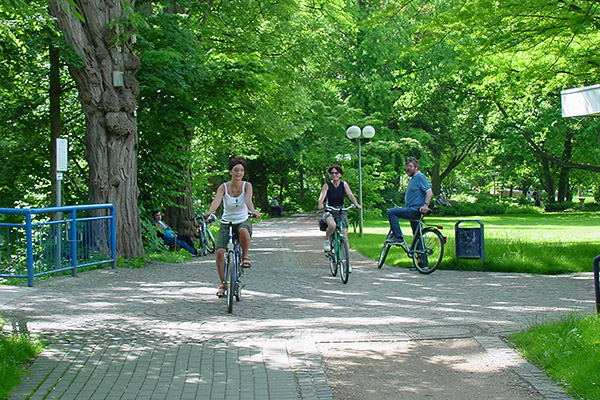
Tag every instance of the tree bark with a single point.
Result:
(103, 41)
(181, 216)
(563, 176)
(55, 117)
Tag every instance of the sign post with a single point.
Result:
(61, 167)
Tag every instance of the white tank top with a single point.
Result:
(234, 208)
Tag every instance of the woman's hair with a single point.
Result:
(236, 161)
(337, 168)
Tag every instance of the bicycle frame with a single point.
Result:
(232, 269)
(339, 254)
(427, 244)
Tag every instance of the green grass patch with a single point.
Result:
(551, 243)
(16, 351)
(568, 350)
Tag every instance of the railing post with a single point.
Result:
(113, 237)
(28, 236)
(73, 243)
(597, 284)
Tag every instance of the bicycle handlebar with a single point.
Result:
(330, 208)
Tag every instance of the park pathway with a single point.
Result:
(160, 332)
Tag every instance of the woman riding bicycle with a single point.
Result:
(236, 196)
(333, 191)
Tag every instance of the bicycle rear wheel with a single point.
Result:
(230, 270)
(429, 257)
(344, 260)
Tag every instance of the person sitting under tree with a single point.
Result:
(167, 234)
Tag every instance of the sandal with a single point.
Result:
(222, 290)
(246, 263)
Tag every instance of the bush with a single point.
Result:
(523, 210)
(466, 209)
(562, 206)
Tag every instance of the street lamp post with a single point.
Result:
(353, 133)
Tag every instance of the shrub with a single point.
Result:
(562, 206)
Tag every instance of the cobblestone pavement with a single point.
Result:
(160, 332)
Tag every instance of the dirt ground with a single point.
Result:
(415, 370)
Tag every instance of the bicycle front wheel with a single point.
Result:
(383, 255)
(384, 251)
(429, 252)
(230, 268)
(344, 260)
(333, 265)
(238, 278)
(209, 244)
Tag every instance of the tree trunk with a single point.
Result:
(563, 177)
(548, 181)
(103, 41)
(181, 216)
(436, 180)
(55, 117)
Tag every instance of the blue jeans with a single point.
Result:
(180, 243)
(394, 214)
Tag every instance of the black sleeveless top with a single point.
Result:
(335, 195)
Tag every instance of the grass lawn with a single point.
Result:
(568, 350)
(16, 351)
(550, 243)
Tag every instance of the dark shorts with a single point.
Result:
(343, 216)
(223, 235)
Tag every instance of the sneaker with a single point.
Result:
(349, 269)
(394, 240)
(327, 246)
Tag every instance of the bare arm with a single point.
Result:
(216, 201)
(322, 196)
(248, 200)
(428, 197)
(351, 196)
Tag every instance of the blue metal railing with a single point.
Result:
(39, 246)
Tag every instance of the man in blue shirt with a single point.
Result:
(416, 201)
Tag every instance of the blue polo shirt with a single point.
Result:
(415, 192)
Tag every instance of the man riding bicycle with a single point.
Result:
(416, 201)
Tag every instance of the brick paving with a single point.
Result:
(160, 332)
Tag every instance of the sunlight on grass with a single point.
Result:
(16, 350)
(569, 352)
(549, 243)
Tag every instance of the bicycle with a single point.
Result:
(339, 255)
(426, 248)
(233, 271)
(205, 236)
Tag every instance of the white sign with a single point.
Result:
(581, 102)
(61, 155)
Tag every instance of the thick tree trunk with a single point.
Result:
(181, 216)
(103, 42)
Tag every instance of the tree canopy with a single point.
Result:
(470, 88)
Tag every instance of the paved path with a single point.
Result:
(160, 332)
